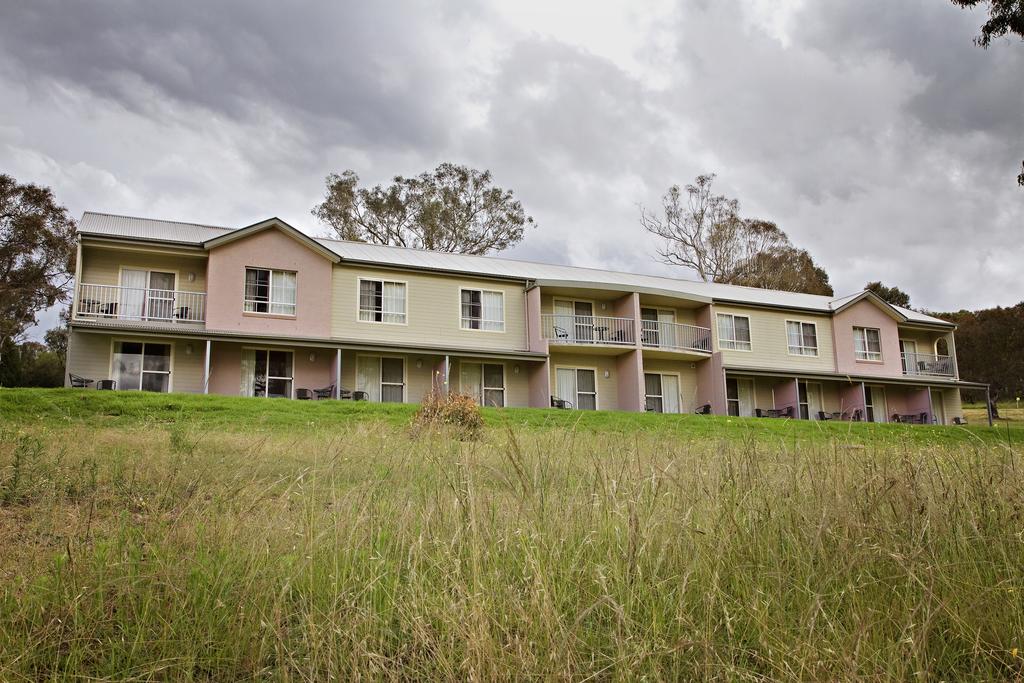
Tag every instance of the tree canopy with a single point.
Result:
(704, 231)
(37, 247)
(1004, 16)
(452, 208)
(988, 344)
(892, 295)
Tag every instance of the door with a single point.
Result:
(578, 386)
(471, 380)
(670, 393)
(908, 356)
(874, 404)
(584, 320)
(144, 366)
(564, 327)
(938, 408)
(739, 397)
(649, 327)
(132, 294)
(654, 402)
(811, 403)
(160, 296)
(368, 376)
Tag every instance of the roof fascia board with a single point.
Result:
(116, 239)
(612, 287)
(428, 269)
(774, 307)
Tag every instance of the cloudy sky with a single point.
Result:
(874, 132)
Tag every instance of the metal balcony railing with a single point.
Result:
(928, 364)
(674, 336)
(110, 302)
(588, 329)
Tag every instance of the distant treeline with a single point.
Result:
(990, 349)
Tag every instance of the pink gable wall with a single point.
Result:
(866, 314)
(273, 249)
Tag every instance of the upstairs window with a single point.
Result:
(802, 338)
(867, 343)
(734, 332)
(381, 301)
(269, 291)
(483, 310)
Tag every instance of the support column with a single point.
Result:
(988, 405)
(337, 373)
(206, 368)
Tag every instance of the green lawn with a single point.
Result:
(55, 407)
(185, 538)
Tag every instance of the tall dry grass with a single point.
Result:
(366, 553)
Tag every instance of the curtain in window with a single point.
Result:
(369, 300)
(257, 290)
(393, 302)
(133, 294)
(670, 393)
(494, 385)
(795, 337)
(392, 380)
(282, 293)
(471, 309)
(742, 327)
(128, 365)
(493, 311)
(565, 381)
(471, 380)
(726, 330)
(586, 390)
(248, 372)
(368, 376)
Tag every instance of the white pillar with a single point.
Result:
(337, 374)
(206, 369)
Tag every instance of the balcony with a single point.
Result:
(928, 364)
(674, 336)
(591, 330)
(109, 302)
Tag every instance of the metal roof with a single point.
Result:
(102, 224)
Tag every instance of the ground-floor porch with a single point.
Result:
(269, 368)
(810, 397)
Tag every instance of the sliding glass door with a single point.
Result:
(381, 378)
(142, 366)
(267, 373)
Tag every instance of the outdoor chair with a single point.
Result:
(182, 312)
(106, 384)
(923, 418)
(108, 309)
(360, 396)
(79, 382)
(560, 403)
(560, 333)
(822, 415)
(857, 415)
(303, 394)
(758, 412)
(959, 420)
(326, 392)
(703, 410)
(786, 412)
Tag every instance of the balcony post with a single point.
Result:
(206, 369)
(337, 373)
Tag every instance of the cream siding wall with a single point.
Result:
(951, 404)
(769, 344)
(547, 303)
(102, 266)
(433, 311)
(687, 379)
(607, 388)
(517, 387)
(91, 356)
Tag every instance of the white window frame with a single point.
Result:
(575, 398)
(463, 320)
(679, 384)
(268, 349)
(869, 356)
(170, 367)
(483, 386)
(731, 344)
(147, 297)
(801, 349)
(380, 375)
(270, 303)
(382, 281)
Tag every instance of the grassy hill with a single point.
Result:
(205, 538)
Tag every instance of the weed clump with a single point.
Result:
(455, 412)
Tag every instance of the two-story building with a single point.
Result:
(268, 311)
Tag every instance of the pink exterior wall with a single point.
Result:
(711, 384)
(629, 367)
(540, 384)
(534, 334)
(851, 398)
(273, 249)
(866, 314)
(786, 396)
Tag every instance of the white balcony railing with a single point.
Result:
(109, 302)
(588, 329)
(674, 336)
(927, 364)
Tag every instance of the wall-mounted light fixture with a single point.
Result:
(312, 356)
(515, 369)
(191, 277)
(419, 362)
(607, 374)
(188, 349)
(604, 306)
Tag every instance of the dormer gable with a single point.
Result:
(272, 224)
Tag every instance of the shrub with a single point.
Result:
(458, 411)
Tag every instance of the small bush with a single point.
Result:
(456, 411)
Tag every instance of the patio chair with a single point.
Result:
(303, 394)
(326, 392)
(360, 396)
(79, 382)
(857, 415)
(560, 333)
(923, 418)
(959, 420)
(822, 415)
(703, 410)
(786, 412)
(108, 309)
(182, 312)
(560, 403)
(106, 385)
(758, 412)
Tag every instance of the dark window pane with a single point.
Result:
(155, 381)
(131, 347)
(279, 388)
(158, 357)
(654, 404)
(742, 329)
(391, 370)
(586, 402)
(732, 390)
(494, 376)
(494, 398)
(280, 364)
(802, 390)
(652, 384)
(585, 381)
(391, 393)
